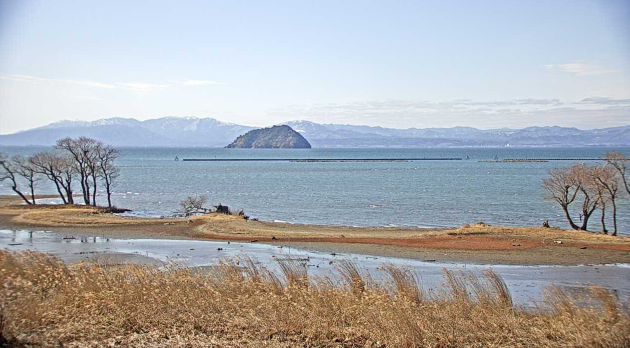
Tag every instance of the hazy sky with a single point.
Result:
(485, 64)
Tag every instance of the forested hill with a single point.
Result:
(276, 137)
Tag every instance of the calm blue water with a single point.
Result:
(428, 193)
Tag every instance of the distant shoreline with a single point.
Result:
(217, 147)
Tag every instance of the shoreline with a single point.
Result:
(473, 244)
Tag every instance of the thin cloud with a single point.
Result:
(604, 101)
(484, 114)
(199, 82)
(579, 68)
(133, 86)
(34, 79)
(141, 86)
(531, 101)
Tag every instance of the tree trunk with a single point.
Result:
(625, 183)
(571, 223)
(585, 221)
(68, 188)
(70, 195)
(59, 191)
(14, 188)
(83, 188)
(94, 192)
(614, 205)
(33, 194)
(86, 192)
(109, 193)
(604, 230)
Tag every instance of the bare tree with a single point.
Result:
(28, 172)
(603, 197)
(607, 182)
(7, 172)
(619, 161)
(194, 204)
(57, 168)
(67, 173)
(108, 172)
(588, 191)
(82, 151)
(94, 169)
(562, 187)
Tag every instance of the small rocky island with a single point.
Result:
(276, 137)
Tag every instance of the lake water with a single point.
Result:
(424, 193)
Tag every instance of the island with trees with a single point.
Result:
(276, 137)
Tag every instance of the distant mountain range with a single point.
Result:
(208, 132)
(166, 131)
(334, 135)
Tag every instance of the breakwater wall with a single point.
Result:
(319, 159)
(315, 160)
(529, 160)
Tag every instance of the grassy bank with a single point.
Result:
(243, 304)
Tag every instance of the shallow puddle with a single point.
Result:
(526, 283)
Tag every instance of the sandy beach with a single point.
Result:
(475, 243)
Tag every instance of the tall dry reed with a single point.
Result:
(241, 303)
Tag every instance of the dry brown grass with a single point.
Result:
(240, 303)
(72, 215)
(539, 233)
(222, 226)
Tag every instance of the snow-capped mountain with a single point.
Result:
(194, 131)
(130, 122)
(165, 131)
(336, 135)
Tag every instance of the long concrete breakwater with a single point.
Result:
(316, 160)
(550, 159)
(519, 160)
(320, 159)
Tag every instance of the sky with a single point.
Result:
(399, 64)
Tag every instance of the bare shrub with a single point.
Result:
(194, 205)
